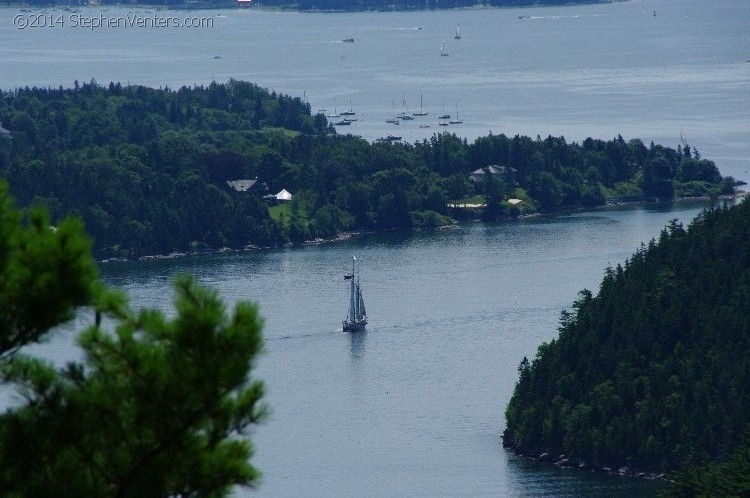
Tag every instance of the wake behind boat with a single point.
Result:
(356, 319)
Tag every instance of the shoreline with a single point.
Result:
(349, 234)
(294, 7)
(581, 464)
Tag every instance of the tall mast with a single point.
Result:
(352, 311)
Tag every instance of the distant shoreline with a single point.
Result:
(349, 234)
(294, 7)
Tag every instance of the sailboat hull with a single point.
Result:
(354, 326)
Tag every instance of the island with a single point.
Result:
(233, 165)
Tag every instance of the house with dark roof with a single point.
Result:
(252, 186)
(504, 173)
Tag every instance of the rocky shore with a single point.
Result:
(573, 462)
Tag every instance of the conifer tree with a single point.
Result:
(155, 407)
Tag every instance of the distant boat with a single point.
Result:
(444, 116)
(350, 112)
(356, 318)
(393, 120)
(348, 40)
(343, 122)
(405, 114)
(389, 138)
(457, 120)
(217, 57)
(421, 111)
(443, 53)
(335, 113)
(458, 32)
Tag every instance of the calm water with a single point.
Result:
(414, 406)
(577, 71)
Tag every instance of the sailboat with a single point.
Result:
(335, 113)
(457, 120)
(458, 32)
(444, 115)
(393, 120)
(421, 112)
(443, 53)
(405, 115)
(350, 112)
(356, 318)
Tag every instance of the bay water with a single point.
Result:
(659, 70)
(414, 406)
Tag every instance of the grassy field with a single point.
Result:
(285, 210)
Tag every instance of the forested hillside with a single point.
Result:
(147, 169)
(652, 372)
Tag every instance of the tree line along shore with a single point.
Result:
(157, 171)
(649, 376)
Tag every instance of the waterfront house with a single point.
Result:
(252, 186)
(504, 173)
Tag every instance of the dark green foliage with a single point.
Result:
(44, 274)
(653, 371)
(730, 478)
(146, 169)
(154, 408)
(153, 411)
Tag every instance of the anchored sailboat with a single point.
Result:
(421, 111)
(458, 32)
(356, 318)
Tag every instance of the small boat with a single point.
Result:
(424, 126)
(350, 112)
(457, 120)
(443, 123)
(389, 138)
(444, 116)
(348, 40)
(458, 32)
(335, 113)
(421, 111)
(443, 53)
(217, 57)
(343, 122)
(405, 115)
(393, 120)
(356, 318)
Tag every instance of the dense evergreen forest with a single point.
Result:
(652, 373)
(147, 169)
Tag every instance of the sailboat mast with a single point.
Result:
(352, 314)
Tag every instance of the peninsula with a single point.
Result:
(232, 165)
